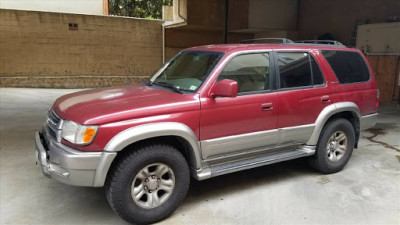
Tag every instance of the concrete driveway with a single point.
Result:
(367, 191)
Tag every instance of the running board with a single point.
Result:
(213, 170)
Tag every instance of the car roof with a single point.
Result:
(229, 48)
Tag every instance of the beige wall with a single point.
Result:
(37, 49)
(379, 38)
(90, 7)
(339, 16)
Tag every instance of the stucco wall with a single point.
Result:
(37, 49)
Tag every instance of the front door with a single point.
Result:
(248, 121)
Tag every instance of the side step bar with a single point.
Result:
(214, 170)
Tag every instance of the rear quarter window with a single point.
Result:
(349, 67)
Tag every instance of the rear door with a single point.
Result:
(353, 80)
(302, 94)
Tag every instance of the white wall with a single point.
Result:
(90, 7)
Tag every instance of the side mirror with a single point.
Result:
(226, 88)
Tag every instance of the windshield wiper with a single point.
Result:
(148, 82)
(168, 85)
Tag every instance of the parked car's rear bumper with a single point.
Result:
(71, 166)
(368, 121)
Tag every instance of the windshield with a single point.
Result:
(186, 71)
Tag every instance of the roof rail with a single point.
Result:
(320, 42)
(284, 40)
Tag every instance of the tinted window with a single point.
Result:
(349, 67)
(251, 71)
(298, 69)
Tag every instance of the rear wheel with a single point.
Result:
(335, 146)
(147, 185)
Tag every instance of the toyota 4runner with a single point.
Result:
(209, 111)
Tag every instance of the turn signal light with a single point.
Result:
(88, 135)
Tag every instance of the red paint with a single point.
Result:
(118, 108)
(244, 114)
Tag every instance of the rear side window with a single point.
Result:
(298, 69)
(349, 67)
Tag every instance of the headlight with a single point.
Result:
(78, 134)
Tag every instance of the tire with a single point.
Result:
(149, 173)
(330, 155)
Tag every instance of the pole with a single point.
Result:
(226, 21)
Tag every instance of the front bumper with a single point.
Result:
(71, 166)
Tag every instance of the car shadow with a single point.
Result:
(89, 202)
(245, 180)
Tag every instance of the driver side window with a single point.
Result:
(250, 71)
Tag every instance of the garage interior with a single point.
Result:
(44, 55)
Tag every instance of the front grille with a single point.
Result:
(53, 118)
(52, 133)
(53, 122)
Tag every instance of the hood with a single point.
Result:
(105, 105)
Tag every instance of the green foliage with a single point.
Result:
(151, 9)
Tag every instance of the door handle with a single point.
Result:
(325, 99)
(267, 106)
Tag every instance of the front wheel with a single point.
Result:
(147, 185)
(335, 146)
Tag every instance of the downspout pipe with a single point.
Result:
(226, 20)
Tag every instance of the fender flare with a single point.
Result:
(146, 131)
(329, 111)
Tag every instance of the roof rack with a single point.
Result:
(321, 42)
(284, 40)
(305, 42)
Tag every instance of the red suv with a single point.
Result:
(209, 111)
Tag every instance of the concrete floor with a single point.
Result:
(367, 191)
